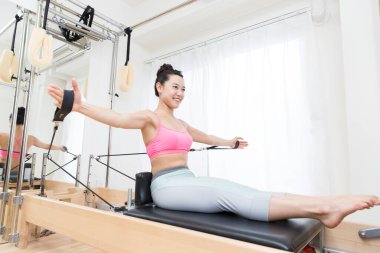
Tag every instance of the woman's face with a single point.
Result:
(172, 92)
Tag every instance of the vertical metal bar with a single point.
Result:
(112, 95)
(8, 165)
(39, 11)
(129, 203)
(321, 242)
(31, 179)
(78, 171)
(43, 175)
(89, 170)
(13, 236)
(87, 194)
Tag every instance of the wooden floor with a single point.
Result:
(51, 244)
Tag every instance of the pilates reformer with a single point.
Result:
(289, 235)
(145, 210)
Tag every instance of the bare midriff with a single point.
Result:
(167, 161)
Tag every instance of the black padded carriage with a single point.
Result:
(290, 235)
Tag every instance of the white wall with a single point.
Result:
(361, 73)
(349, 62)
(330, 65)
(329, 45)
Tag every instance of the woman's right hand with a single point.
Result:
(57, 94)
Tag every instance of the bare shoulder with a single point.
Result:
(150, 119)
(184, 123)
(147, 113)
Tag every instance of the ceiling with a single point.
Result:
(183, 27)
(190, 23)
(194, 22)
(135, 3)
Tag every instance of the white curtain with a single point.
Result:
(262, 85)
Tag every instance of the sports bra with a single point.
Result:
(4, 153)
(168, 141)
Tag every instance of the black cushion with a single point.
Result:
(290, 235)
(142, 189)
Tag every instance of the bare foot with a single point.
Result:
(339, 207)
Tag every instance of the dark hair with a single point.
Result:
(163, 75)
(20, 116)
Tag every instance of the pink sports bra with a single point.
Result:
(4, 153)
(168, 141)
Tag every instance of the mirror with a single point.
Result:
(40, 125)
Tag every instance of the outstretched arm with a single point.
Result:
(136, 120)
(39, 144)
(201, 137)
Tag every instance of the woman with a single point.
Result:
(31, 141)
(174, 186)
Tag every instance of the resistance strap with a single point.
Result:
(18, 19)
(87, 17)
(87, 188)
(237, 143)
(128, 31)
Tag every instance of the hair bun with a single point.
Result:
(21, 111)
(165, 67)
(20, 116)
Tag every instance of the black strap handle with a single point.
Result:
(87, 18)
(18, 18)
(66, 107)
(128, 31)
(46, 14)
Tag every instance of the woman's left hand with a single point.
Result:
(242, 142)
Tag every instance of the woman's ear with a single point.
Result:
(159, 88)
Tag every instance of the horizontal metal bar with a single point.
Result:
(57, 52)
(162, 14)
(63, 7)
(99, 14)
(7, 26)
(83, 32)
(75, 22)
(58, 35)
(66, 59)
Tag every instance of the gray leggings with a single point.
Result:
(179, 189)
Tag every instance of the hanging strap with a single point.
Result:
(18, 18)
(128, 31)
(86, 17)
(46, 13)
